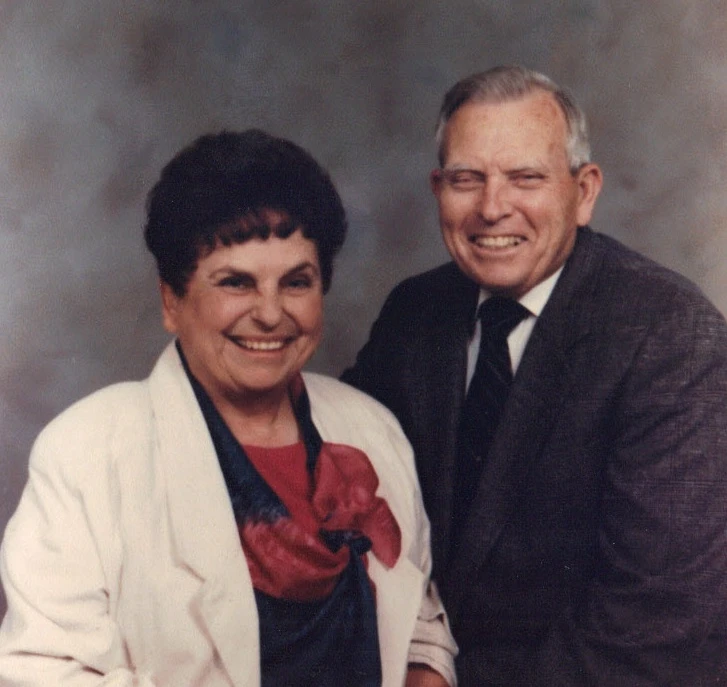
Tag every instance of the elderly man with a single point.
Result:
(567, 402)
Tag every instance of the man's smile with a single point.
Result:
(496, 241)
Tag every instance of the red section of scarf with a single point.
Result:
(288, 558)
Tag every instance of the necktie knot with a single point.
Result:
(500, 315)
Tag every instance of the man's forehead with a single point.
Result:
(538, 103)
(534, 122)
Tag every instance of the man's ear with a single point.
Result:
(435, 181)
(590, 181)
(171, 304)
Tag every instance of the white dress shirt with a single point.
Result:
(534, 300)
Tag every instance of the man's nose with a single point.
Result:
(493, 203)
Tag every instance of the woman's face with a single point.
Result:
(251, 317)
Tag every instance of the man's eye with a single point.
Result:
(527, 178)
(464, 181)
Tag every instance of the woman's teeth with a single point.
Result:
(262, 345)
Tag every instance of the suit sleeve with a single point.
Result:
(58, 629)
(656, 600)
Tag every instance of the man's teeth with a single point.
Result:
(262, 345)
(497, 241)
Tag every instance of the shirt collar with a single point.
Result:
(535, 299)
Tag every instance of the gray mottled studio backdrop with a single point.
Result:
(98, 94)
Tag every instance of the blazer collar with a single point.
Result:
(206, 539)
(202, 524)
(398, 589)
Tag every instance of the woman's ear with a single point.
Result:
(171, 305)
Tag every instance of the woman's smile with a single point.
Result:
(251, 317)
(261, 345)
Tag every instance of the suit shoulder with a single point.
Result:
(619, 258)
(430, 297)
(643, 283)
(438, 281)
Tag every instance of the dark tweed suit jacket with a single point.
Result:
(596, 550)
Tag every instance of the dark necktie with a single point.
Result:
(485, 399)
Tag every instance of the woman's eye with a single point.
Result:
(236, 281)
(299, 283)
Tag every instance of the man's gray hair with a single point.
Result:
(504, 83)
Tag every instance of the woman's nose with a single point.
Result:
(268, 309)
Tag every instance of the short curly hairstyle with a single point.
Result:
(213, 191)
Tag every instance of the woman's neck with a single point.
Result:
(261, 421)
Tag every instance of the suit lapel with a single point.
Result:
(440, 372)
(205, 536)
(529, 415)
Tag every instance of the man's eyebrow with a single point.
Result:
(448, 171)
(539, 169)
(461, 168)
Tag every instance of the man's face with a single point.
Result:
(509, 206)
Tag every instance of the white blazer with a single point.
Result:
(123, 566)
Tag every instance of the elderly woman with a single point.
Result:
(229, 520)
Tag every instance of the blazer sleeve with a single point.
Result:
(345, 415)
(654, 612)
(432, 642)
(58, 629)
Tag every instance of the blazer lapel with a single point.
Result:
(399, 589)
(529, 415)
(202, 523)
